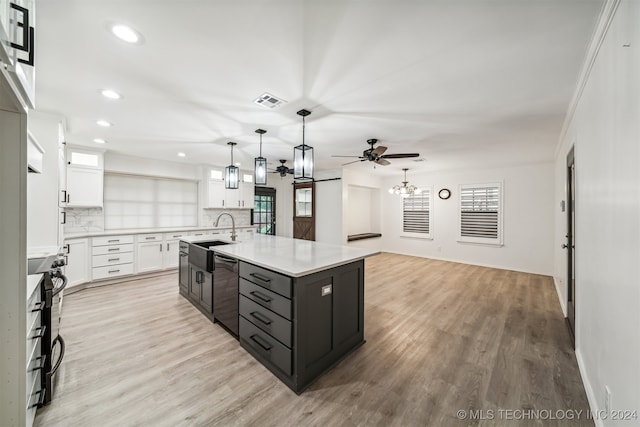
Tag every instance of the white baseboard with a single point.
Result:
(591, 397)
(563, 303)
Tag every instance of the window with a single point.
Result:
(481, 213)
(416, 214)
(215, 174)
(134, 201)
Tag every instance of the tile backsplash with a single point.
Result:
(241, 216)
(84, 219)
(80, 220)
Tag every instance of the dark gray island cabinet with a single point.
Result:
(299, 327)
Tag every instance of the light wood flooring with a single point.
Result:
(441, 337)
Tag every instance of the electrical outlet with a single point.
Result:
(607, 399)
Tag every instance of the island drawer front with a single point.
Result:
(111, 240)
(112, 249)
(112, 271)
(265, 345)
(266, 298)
(265, 319)
(112, 259)
(277, 282)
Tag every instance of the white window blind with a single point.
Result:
(416, 215)
(481, 213)
(133, 201)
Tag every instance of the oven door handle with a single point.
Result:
(59, 289)
(60, 341)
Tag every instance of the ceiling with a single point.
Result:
(464, 83)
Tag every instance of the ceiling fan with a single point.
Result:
(282, 169)
(376, 155)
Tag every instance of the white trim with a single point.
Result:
(604, 22)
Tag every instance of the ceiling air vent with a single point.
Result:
(268, 101)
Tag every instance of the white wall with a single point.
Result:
(115, 162)
(284, 203)
(527, 219)
(606, 132)
(329, 207)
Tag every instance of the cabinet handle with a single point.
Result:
(113, 249)
(261, 317)
(41, 398)
(114, 259)
(149, 238)
(66, 260)
(64, 217)
(222, 202)
(113, 241)
(114, 271)
(68, 198)
(260, 277)
(160, 247)
(41, 330)
(167, 247)
(67, 248)
(64, 196)
(260, 296)
(260, 342)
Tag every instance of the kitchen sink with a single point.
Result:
(206, 245)
(201, 256)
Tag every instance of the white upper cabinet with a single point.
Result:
(85, 178)
(222, 198)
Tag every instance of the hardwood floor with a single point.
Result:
(441, 337)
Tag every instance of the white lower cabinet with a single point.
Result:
(149, 251)
(77, 267)
(112, 256)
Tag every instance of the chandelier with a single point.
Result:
(405, 190)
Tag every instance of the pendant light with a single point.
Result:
(303, 156)
(260, 166)
(405, 190)
(231, 172)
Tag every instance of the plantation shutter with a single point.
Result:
(416, 214)
(480, 214)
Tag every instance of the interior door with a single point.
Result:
(304, 220)
(264, 210)
(570, 245)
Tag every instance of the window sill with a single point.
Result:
(496, 245)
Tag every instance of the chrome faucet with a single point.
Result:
(233, 225)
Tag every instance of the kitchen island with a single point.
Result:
(299, 304)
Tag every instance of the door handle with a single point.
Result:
(564, 246)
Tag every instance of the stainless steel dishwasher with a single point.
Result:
(225, 292)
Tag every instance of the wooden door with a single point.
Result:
(304, 209)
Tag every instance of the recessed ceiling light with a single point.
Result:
(126, 33)
(110, 93)
(99, 141)
(104, 123)
(182, 155)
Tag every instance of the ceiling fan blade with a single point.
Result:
(355, 161)
(400, 156)
(379, 150)
(382, 162)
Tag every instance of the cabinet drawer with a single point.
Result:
(112, 259)
(267, 347)
(266, 298)
(177, 235)
(277, 282)
(111, 240)
(265, 319)
(34, 338)
(154, 237)
(112, 249)
(35, 366)
(35, 305)
(112, 271)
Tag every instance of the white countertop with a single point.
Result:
(150, 230)
(293, 257)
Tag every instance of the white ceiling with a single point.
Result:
(464, 83)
